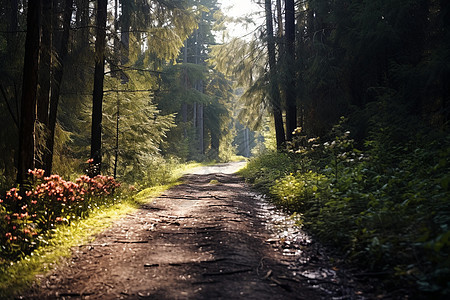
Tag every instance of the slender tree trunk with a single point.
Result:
(280, 24)
(184, 107)
(246, 142)
(43, 101)
(115, 60)
(97, 95)
(82, 19)
(85, 20)
(274, 92)
(125, 36)
(290, 93)
(116, 74)
(200, 129)
(116, 154)
(194, 114)
(29, 91)
(56, 85)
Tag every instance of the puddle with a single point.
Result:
(307, 260)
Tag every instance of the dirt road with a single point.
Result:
(204, 239)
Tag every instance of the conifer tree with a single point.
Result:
(290, 82)
(29, 92)
(274, 92)
(57, 74)
(97, 96)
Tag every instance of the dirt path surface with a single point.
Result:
(203, 239)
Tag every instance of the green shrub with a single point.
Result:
(264, 170)
(387, 208)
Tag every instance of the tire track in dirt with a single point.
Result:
(200, 240)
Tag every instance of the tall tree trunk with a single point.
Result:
(29, 91)
(56, 85)
(246, 142)
(200, 128)
(290, 92)
(116, 154)
(274, 92)
(82, 19)
(184, 107)
(280, 24)
(116, 74)
(125, 35)
(97, 95)
(43, 101)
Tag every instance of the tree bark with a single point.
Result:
(184, 107)
(56, 86)
(45, 63)
(290, 93)
(97, 95)
(125, 36)
(274, 92)
(29, 91)
(200, 129)
(43, 101)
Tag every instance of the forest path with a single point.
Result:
(203, 239)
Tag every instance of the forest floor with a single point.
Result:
(211, 237)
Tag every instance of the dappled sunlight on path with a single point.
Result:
(225, 168)
(211, 237)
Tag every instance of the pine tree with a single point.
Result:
(97, 97)
(29, 92)
(290, 92)
(274, 92)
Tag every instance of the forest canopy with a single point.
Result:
(114, 87)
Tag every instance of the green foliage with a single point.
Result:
(30, 213)
(295, 192)
(16, 276)
(264, 170)
(388, 203)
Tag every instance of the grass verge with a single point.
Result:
(19, 275)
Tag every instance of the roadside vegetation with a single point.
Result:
(41, 223)
(383, 203)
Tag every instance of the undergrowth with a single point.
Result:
(386, 207)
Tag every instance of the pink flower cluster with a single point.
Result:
(24, 215)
